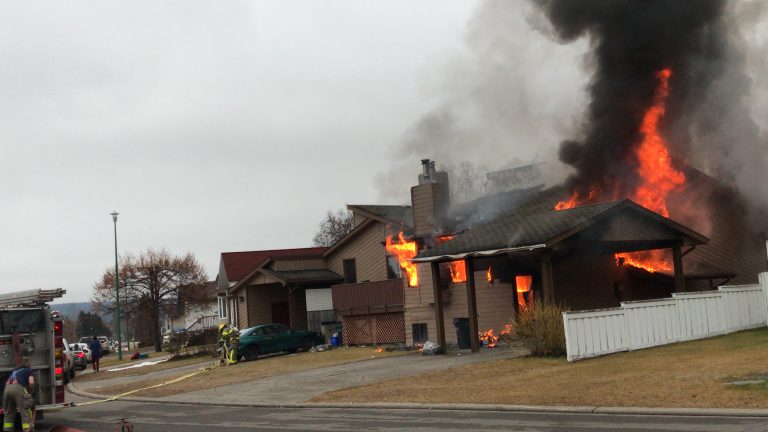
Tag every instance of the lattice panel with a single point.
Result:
(374, 329)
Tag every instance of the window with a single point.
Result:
(222, 307)
(393, 268)
(419, 333)
(263, 331)
(279, 328)
(350, 271)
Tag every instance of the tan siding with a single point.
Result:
(630, 225)
(495, 305)
(260, 302)
(367, 250)
(732, 246)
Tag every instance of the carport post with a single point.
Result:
(474, 340)
(547, 283)
(438, 293)
(677, 259)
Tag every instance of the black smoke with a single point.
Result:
(631, 41)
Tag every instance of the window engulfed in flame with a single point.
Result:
(404, 250)
(489, 277)
(458, 271)
(524, 293)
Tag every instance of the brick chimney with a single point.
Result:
(430, 199)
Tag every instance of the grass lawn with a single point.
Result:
(111, 360)
(691, 374)
(143, 370)
(246, 371)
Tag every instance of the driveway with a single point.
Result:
(302, 386)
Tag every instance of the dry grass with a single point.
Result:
(246, 371)
(692, 374)
(143, 370)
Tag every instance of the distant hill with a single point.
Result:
(71, 310)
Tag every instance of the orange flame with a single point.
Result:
(379, 350)
(492, 339)
(458, 271)
(404, 251)
(575, 200)
(489, 337)
(658, 177)
(445, 237)
(651, 261)
(524, 297)
(489, 276)
(654, 163)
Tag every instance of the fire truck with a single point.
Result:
(30, 330)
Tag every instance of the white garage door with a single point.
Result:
(319, 299)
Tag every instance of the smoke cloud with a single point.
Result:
(507, 100)
(708, 121)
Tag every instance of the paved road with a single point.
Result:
(151, 417)
(301, 386)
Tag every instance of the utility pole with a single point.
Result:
(117, 294)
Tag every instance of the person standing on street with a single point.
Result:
(17, 397)
(95, 346)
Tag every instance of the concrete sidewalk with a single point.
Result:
(301, 386)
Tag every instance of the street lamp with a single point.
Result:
(117, 294)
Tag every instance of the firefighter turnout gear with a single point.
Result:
(17, 397)
(230, 339)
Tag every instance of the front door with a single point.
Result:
(281, 313)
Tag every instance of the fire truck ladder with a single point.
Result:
(29, 298)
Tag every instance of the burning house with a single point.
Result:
(636, 220)
(490, 258)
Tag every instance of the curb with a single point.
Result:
(692, 412)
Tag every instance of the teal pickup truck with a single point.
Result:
(271, 338)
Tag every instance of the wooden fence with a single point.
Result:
(686, 316)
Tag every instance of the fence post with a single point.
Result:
(764, 284)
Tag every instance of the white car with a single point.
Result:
(69, 365)
(84, 347)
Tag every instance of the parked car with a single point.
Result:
(106, 347)
(78, 356)
(270, 338)
(85, 348)
(69, 363)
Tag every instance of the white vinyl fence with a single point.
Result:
(647, 323)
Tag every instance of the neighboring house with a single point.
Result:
(271, 286)
(297, 287)
(196, 309)
(369, 303)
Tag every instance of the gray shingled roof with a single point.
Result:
(533, 222)
(305, 276)
(400, 215)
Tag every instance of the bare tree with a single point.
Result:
(333, 227)
(149, 283)
(468, 181)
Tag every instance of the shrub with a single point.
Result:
(540, 328)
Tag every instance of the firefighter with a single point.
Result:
(230, 339)
(17, 397)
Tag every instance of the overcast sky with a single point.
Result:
(227, 126)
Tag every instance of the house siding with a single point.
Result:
(260, 302)
(495, 305)
(367, 250)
